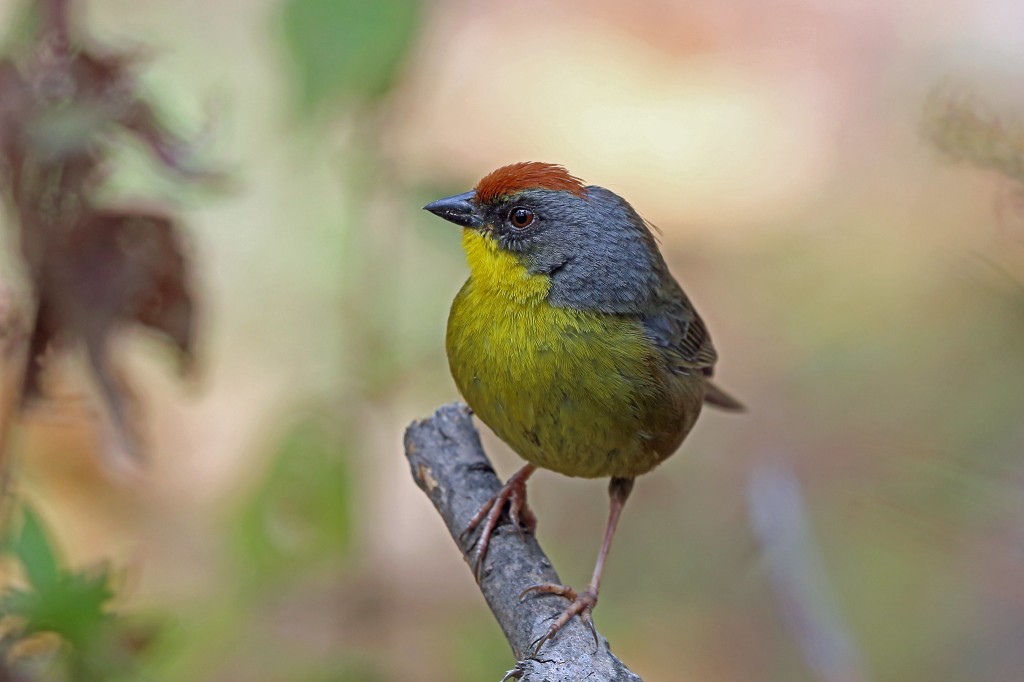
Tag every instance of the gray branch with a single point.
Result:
(449, 465)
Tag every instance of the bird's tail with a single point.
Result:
(722, 400)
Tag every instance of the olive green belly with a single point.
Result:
(579, 393)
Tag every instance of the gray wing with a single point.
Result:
(676, 328)
(678, 331)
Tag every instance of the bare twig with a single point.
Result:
(450, 466)
(780, 523)
(13, 351)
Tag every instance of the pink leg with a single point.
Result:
(513, 492)
(582, 603)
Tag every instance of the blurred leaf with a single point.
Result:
(300, 513)
(91, 267)
(32, 549)
(115, 266)
(61, 623)
(73, 606)
(961, 129)
(23, 26)
(347, 48)
(67, 603)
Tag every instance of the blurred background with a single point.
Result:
(838, 189)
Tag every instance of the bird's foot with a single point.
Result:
(514, 493)
(580, 604)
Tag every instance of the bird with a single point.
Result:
(573, 343)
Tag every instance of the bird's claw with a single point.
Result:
(487, 517)
(515, 673)
(580, 604)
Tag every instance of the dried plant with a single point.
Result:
(92, 267)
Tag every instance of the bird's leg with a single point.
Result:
(582, 603)
(513, 492)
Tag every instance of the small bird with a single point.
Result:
(573, 343)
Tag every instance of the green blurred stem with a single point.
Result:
(56, 23)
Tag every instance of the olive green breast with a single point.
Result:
(581, 393)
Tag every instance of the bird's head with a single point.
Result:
(536, 219)
(523, 209)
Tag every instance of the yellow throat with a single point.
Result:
(500, 273)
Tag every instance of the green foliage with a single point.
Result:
(964, 131)
(94, 642)
(299, 514)
(23, 26)
(347, 49)
(32, 549)
(70, 604)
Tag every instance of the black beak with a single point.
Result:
(458, 209)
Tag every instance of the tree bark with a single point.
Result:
(449, 465)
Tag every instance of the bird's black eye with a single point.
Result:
(520, 217)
